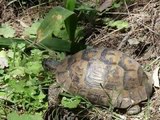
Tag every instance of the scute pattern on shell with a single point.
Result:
(101, 74)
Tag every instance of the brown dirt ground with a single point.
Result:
(144, 22)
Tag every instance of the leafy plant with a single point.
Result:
(23, 87)
(60, 28)
(71, 21)
(16, 116)
(119, 24)
(73, 101)
(53, 25)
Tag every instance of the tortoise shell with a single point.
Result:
(104, 77)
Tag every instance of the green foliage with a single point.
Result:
(73, 101)
(6, 31)
(56, 44)
(84, 7)
(32, 31)
(58, 31)
(116, 5)
(71, 21)
(70, 4)
(16, 116)
(119, 24)
(54, 24)
(9, 41)
(60, 28)
(23, 87)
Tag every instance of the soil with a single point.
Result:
(141, 41)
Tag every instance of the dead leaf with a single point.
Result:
(133, 41)
(3, 59)
(155, 77)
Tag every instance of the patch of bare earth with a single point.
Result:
(22, 16)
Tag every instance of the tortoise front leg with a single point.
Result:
(53, 94)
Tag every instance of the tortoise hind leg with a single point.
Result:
(134, 110)
(53, 94)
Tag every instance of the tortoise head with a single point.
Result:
(50, 64)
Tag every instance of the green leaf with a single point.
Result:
(1, 72)
(17, 86)
(30, 91)
(116, 5)
(57, 44)
(79, 33)
(53, 23)
(71, 102)
(16, 116)
(13, 116)
(84, 7)
(41, 96)
(71, 24)
(71, 21)
(6, 31)
(120, 24)
(3, 54)
(70, 4)
(10, 41)
(33, 67)
(36, 55)
(63, 35)
(17, 72)
(3, 95)
(32, 31)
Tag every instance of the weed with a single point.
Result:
(22, 83)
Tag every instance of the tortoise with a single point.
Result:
(103, 76)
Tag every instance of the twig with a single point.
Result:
(128, 34)
(106, 4)
(124, 40)
(146, 5)
(148, 28)
(158, 58)
(120, 13)
(104, 37)
(127, 7)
